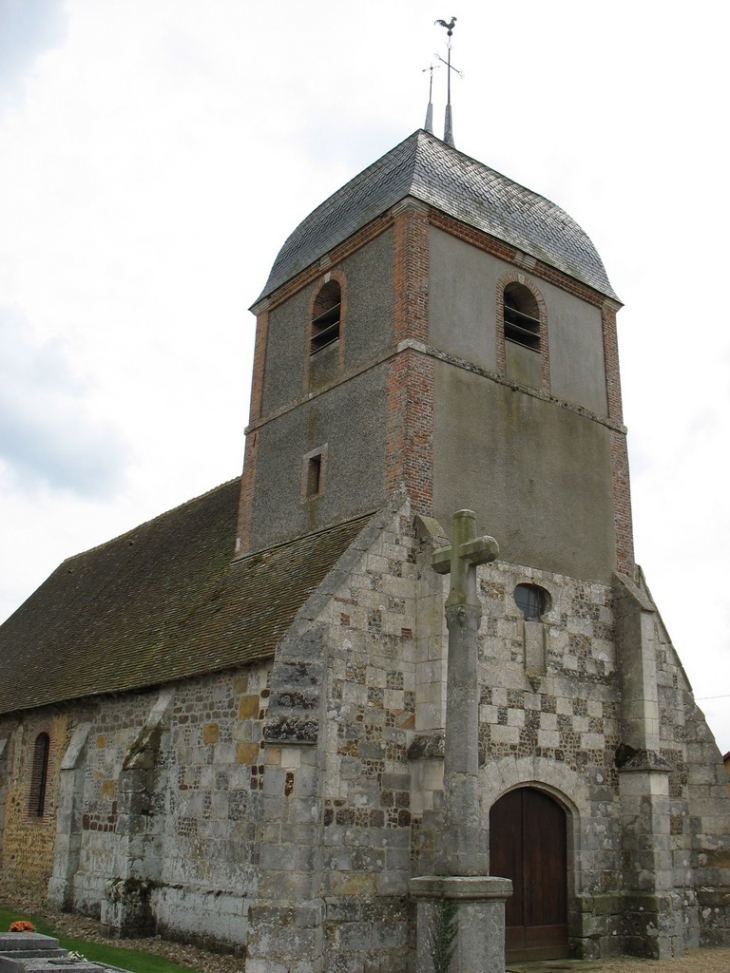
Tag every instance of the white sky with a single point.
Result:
(154, 155)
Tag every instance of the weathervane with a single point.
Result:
(448, 130)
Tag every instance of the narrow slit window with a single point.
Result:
(325, 325)
(521, 317)
(314, 475)
(39, 775)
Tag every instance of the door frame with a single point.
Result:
(572, 831)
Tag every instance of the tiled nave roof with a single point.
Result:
(162, 602)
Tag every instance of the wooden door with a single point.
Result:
(527, 843)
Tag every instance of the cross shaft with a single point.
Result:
(464, 850)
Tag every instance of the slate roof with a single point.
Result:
(160, 603)
(428, 169)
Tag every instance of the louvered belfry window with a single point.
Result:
(39, 775)
(521, 317)
(326, 317)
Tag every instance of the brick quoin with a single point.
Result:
(410, 382)
(619, 449)
(410, 274)
(622, 504)
(248, 479)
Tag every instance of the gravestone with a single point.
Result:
(31, 952)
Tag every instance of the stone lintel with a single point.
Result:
(471, 887)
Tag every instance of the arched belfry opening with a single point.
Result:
(326, 317)
(521, 316)
(324, 336)
(528, 844)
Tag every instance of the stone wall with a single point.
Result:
(335, 850)
(699, 805)
(168, 804)
(285, 807)
(371, 710)
(28, 838)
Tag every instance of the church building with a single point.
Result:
(228, 724)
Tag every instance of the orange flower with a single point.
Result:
(22, 925)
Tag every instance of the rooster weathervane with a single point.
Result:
(448, 129)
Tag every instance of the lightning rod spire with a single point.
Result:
(429, 111)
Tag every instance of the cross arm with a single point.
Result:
(441, 560)
(479, 551)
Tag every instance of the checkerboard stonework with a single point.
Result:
(228, 724)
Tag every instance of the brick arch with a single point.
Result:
(339, 276)
(39, 750)
(516, 277)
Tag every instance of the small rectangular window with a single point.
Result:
(313, 473)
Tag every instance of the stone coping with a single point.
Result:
(460, 887)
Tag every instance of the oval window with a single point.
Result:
(532, 600)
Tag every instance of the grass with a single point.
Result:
(128, 959)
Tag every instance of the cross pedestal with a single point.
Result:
(462, 901)
(469, 908)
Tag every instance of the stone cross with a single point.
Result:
(464, 850)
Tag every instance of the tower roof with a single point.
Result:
(426, 168)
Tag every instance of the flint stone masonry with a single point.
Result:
(187, 817)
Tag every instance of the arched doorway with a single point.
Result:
(527, 843)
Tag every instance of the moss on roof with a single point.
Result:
(160, 603)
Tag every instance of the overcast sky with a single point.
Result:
(154, 155)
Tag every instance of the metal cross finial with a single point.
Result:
(429, 111)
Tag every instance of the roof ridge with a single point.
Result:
(151, 520)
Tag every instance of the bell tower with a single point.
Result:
(433, 316)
